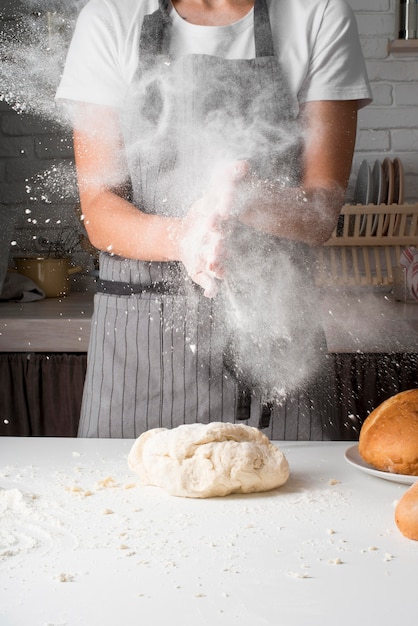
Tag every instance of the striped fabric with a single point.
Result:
(163, 369)
(183, 381)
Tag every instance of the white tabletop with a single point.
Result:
(82, 545)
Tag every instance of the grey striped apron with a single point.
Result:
(161, 354)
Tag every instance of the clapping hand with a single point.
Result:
(204, 227)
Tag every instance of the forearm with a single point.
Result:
(303, 214)
(117, 226)
(308, 214)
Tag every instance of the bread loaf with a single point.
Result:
(389, 435)
(406, 513)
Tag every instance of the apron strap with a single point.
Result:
(262, 30)
(154, 39)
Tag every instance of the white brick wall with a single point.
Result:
(389, 126)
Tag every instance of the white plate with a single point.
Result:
(363, 193)
(379, 190)
(353, 457)
(379, 183)
(389, 173)
(399, 181)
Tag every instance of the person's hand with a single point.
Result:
(202, 244)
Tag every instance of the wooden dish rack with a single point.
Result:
(366, 245)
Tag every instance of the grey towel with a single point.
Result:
(19, 288)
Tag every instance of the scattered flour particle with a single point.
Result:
(79, 491)
(333, 481)
(330, 531)
(200, 595)
(65, 578)
(109, 481)
(336, 561)
(74, 489)
(298, 574)
(107, 512)
(388, 557)
(372, 548)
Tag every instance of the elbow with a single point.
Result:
(94, 235)
(91, 227)
(325, 207)
(322, 231)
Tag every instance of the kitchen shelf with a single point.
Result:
(404, 46)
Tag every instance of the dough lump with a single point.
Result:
(207, 460)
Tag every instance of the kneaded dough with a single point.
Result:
(207, 460)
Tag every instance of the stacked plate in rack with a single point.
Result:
(381, 184)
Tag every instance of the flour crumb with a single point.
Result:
(74, 489)
(388, 557)
(299, 575)
(336, 561)
(65, 578)
(333, 481)
(79, 491)
(330, 531)
(107, 482)
(107, 512)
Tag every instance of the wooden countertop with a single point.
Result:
(354, 321)
(49, 325)
(369, 321)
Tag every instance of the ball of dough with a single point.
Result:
(406, 513)
(206, 460)
(389, 435)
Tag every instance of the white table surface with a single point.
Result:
(82, 545)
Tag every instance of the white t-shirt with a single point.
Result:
(316, 42)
